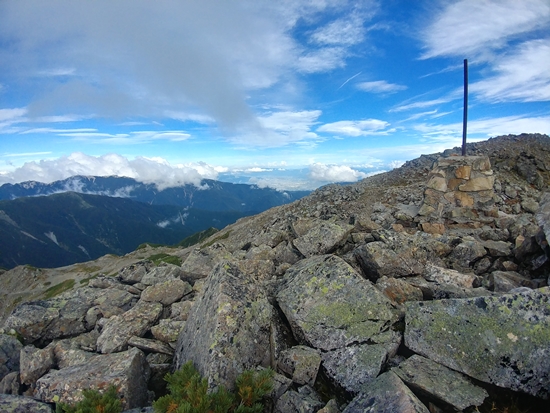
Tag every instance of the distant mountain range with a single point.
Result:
(48, 225)
(210, 195)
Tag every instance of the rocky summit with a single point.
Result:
(423, 289)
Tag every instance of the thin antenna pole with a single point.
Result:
(465, 118)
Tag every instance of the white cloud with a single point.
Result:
(474, 27)
(343, 31)
(521, 76)
(322, 60)
(356, 127)
(424, 103)
(380, 86)
(334, 173)
(148, 170)
(12, 114)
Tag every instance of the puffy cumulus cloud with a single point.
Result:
(356, 127)
(473, 27)
(147, 170)
(334, 173)
(196, 60)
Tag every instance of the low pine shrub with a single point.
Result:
(94, 402)
(189, 393)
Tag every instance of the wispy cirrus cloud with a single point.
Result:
(380, 86)
(356, 127)
(472, 27)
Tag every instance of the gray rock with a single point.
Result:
(134, 322)
(386, 394)
(180, 310)
(441, 275)
(68, 353)
(500, 340)
(543, 215)
(167, 331)
(10, 384)
(505, 281)
(166, 292)
(22, 404)
(128, 370)
(202, 261)
(10, 348)
(429, 377)
(35, 363)
(228, 329)
(301, 363)
(59, 317)
(354, 366)
(465, 254)
(305, 400)
(399, 290)
(150, 346)
(322, 238)
(134, 273)
(329, 305)
(164, 272)
(498, 248)
(330, 407)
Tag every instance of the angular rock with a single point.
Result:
(150, 346)
(324, 237)
(10, 384)
(398, 290)
(35, 363)
(167, 331)
(180, 310)
(499, 340)
(377, 259)
(228, 329)
(202, 261)
(442, 275)
(465, 254)
(354, 366)
(305, 400)
(162, 273)
(68, 353)
(301, 363)
(329, 305)
(505, 281)
(167, 292)
(543, 216)
(428, 377)
(128, 371)
(498, 248)
(134, 322)
(22, 404)
(330, 407)
(10, 349)
(134, 273)
(386, 394)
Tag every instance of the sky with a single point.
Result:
(291, 94)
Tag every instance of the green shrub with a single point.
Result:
(94, 402)
(59, 288)
(162, 257)
(189, 393)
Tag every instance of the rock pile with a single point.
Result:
(422, 289)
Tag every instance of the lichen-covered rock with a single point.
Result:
(543, 217)
(500, 340)
(301, 363)
(10, 348)
(134, 322)
(329, 305)
(10, 384)
(442, 275)
(505, 281)
(35, 363)
(228, 329)
(22, 404)
(162, 273)
(167, 292)
(305, 400)
(465, 254)
(167, 331)
(134, 273)
(128, 371)
(440, 382)
(202, 261)
(322, 238)
(150, 345)
(386, 394)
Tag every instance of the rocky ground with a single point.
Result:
(422, 289)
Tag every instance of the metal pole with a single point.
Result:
(465, 118)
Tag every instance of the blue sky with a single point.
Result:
(291, 93)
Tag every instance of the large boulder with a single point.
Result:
(386, 394)
(22, 404)
(228, 328)
(322, 237)
(499, 340)
(128, 371)
(10, 348)
(428, 377)
(329, 305)
(134, 322)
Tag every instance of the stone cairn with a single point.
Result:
(459, 192)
